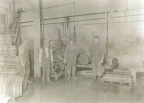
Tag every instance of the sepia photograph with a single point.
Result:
(71, 51)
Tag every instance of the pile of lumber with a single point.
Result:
(120, 76)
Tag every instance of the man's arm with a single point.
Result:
(40, 56)
(51, 55)
(65, 54)
(20, 53)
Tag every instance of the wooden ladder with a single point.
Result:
(17, 26)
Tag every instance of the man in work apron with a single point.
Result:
(70, 57)
(46, 60)
(96, 52)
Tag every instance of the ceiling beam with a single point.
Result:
(30, 4)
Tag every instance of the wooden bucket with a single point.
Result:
(8, 39)
(12, 51)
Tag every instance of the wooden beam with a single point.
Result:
(37, 36)
(30, 4)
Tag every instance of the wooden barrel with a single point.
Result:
(2, 39)
(8, 39)
(8, 61)
(13, 86)
(16, 61)
(12, 60)
(12, 51)
(2, 61)
(83, 59)
(113, 63)
(6, 99)
(3, 50)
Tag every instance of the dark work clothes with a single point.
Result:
(96, 52)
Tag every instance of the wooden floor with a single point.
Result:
(82, 90)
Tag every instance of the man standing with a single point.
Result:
(96, 52)
(24, 60)
(70, 57)
(46, 60)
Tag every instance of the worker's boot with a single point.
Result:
(99, 79)
(43, 82)
(49, 81)
(74, 77)
(94, 78)
(68, 78)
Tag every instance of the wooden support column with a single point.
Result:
(67, 28)
(37, 37)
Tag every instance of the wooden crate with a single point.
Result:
(56, 75)
(117, 78)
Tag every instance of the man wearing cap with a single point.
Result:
(23, 53)
(46, 61)
(96, 52)
(70, 57)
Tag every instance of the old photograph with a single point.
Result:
(71, 51)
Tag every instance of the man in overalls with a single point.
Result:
(46, 60)
(23, 53)
(96, 52)
(70, 57)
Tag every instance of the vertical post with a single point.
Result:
(37, 36)
(67, 27)
(107, 45)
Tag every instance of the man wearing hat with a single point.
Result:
(46, 61)
(96, 52)
(70, 57)
(23, 53)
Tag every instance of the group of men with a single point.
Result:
(96, 52)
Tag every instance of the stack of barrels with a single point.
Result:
(10, 82)
(9, 62)
(11, 85)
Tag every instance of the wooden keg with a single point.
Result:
(83, 59)
(2, 39)
(12, 60)
(2, 61)
(12, 51)
(8, 39)
(8, 61)
(6, 99)
(16, 61)
(14, 86)
(3, 50)
(113, 63)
